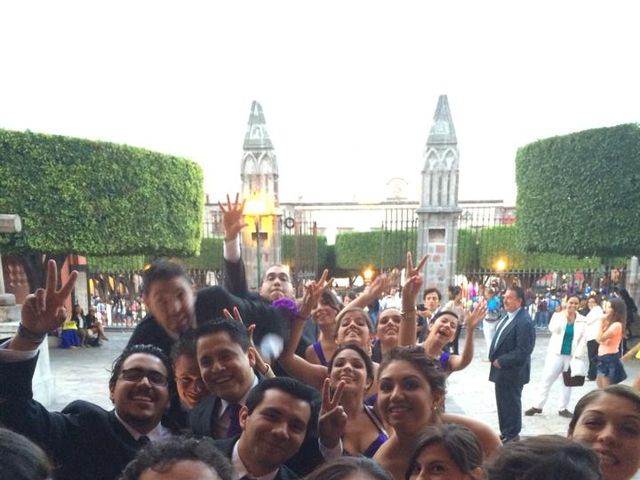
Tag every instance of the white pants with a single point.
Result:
(489, 330)
(554, 365)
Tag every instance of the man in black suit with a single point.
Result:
(276, 284)
(226, 365)
(510, 356)
(274, 424)
(168, 294)
(84, 440)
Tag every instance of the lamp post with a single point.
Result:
(258, 259)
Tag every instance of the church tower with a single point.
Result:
(259, 179)
(438, 212)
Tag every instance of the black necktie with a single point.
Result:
(143, 440)
(234, 420)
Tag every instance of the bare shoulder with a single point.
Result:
(488, 438)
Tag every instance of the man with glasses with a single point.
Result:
(84, 440)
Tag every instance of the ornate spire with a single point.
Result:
(442, 131)
(257, 137)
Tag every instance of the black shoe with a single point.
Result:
(511, 439)
(532, 411)
(565, 413)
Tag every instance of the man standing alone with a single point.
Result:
(510, 356)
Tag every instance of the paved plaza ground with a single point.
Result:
(84, 373)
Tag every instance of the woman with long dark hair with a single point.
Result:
(610, 369)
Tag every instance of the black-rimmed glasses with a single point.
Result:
(137, 374)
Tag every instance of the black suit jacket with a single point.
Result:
(226, 447)
(513, 351)
(235, 281)
(85, 441)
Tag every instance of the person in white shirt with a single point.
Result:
(594, 320)
(568, 341)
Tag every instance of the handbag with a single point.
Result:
(575, 379)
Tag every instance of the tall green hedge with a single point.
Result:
(579, 194)
(98, 198)
(481, 249)
(380, 249)
(210, 258)
(306, 249)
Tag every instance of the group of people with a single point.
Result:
(81, 330)
(334, 405)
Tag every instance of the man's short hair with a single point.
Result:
(288, 385)
(21, 459)
(116, 368)
(185, 346)
(161, 456)
(236, 330)
(519, 293)
(162, 270)
(432, 290)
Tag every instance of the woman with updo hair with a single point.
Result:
(446, 452)
(324, 316)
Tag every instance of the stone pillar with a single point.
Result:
(437, 235)
(43, 384)
(439, 212)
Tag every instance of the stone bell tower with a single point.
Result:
(259, 178)
(438, 212)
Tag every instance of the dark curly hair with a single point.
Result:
(161, 456)
(417, 357)
(116, 368)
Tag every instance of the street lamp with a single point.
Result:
(256, 207)
(368, 275)
(258, 259)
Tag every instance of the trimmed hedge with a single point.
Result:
(381, 250)
(579, 194)
(98, 198)
(306, 250)
(481, 249)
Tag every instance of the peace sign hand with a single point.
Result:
(44, 311)
(333, 419)
(312, 293)
(414, 271)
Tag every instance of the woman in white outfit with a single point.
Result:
(594, 320)
(568, 340)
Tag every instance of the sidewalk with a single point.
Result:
(84, 374)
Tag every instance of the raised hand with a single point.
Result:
(333, 419)
(44, 310)
(312, 292)
(232, 217)
(413, 283)
(379, 285)
(411, 271)
(477, 315)
(238, 318)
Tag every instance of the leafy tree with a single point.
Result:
(97, 198)
(579, 194)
